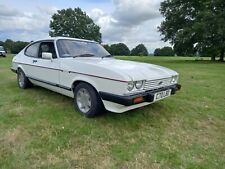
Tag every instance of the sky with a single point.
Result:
(128, 21)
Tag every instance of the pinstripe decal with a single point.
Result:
(75, 73)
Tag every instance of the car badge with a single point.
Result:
(160, 83)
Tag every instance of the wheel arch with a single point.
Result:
(76, 82)
(19, 67)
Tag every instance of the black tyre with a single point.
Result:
(23, 81)
(87, 101)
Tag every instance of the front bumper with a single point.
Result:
(148, 96)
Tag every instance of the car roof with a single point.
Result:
(63, 38)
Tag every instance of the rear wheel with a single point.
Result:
(23, 81)
(87, 100)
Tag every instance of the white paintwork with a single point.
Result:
(104, 74)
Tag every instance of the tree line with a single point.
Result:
(192, 27)
(13, 46)
(121, 49)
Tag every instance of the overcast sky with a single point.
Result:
(128, 21)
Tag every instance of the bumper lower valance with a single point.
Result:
(148, 96)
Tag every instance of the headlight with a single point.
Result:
(130, 86)
(174, 79)
(139, 84)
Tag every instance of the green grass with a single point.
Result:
(40, 129)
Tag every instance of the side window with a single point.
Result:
(32, 50)
(47, 47)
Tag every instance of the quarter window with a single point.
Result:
(32, 50)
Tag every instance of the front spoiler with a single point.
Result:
(13, 70)
(129, 100)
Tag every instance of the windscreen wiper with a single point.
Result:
(84, 55)
(106, 56)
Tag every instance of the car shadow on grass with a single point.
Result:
(153, 114)
(156, 115)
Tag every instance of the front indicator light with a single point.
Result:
(138, 100)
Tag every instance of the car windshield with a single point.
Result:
(1, 48)
(74, 48)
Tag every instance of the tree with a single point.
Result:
(157, 52)
(8, 45)
(194, 26)
(107, 47)
(119, 49)
(1, 43)
(165, 51)
(74, 23)
(139, 50)
(18, 46)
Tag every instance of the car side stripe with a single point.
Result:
(123, 81)
(37, 66)
(99, 77)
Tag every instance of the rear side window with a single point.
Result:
(32, 50)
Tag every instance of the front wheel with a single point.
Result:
(87, 101)
(23, 81)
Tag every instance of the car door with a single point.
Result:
(46, 71)
(30, 59)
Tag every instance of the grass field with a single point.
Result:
(40, 129)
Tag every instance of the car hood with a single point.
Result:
(133, 70)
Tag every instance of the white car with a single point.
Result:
(2, 51)
(85, 71)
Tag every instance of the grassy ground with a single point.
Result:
(40, 129)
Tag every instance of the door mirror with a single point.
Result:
(46, 55)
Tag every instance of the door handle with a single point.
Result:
(34, 61)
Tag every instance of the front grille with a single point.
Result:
(158, 83)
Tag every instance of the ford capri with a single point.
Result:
(85, 71)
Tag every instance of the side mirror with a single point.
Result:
(46, 55)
